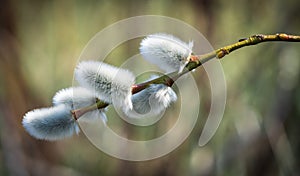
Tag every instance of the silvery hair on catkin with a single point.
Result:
(50, 123)
(152, 101)
(166, 51)
(78, 97)
(110, 83)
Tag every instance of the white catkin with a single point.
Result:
(110, 83)
(52, 123)
(75, 97)
(152, 101)
(166, 51)
(79, 97)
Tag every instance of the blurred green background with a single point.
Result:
(40, 42)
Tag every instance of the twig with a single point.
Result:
(196, 61)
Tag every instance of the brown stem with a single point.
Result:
(77, 113)
(194, 62)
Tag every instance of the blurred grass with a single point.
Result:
(51, 35)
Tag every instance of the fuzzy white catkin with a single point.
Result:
(166, 51)
(52, 123)
(110, 83)
(152, 101)
(79, 97)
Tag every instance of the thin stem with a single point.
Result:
(196, 61)
(252, 40)
(79, 112)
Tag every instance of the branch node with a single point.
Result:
(74, 115)
(260, 37)
(282, 36)
(222, 52)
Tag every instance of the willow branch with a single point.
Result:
(196, 61)
(252, 40)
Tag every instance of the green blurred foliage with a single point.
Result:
(258, 134)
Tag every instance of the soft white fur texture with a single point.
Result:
(52, 123)
(79, 97)
(152, 101)
(110, 83)
(166, 51)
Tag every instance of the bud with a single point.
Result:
(152, 100)
(166, 51)
(110, 83)
(79, 97)
(52, 123)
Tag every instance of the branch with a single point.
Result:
(196, 61)
(252, 40)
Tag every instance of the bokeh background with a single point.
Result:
(40, 42)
